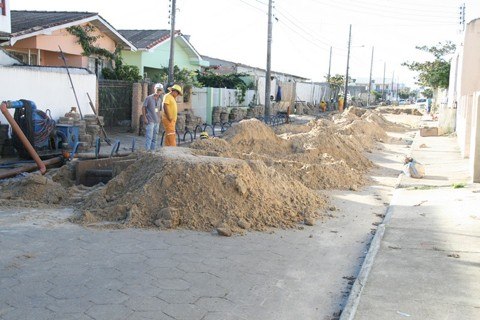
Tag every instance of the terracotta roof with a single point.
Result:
(24, 22)
(146, 39)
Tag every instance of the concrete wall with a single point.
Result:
(312, 93)
(471, 62)
(475, 133)
(464, 82)
(463, 124)
(5, 22)
(49, 88)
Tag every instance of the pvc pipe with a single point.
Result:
(27, 168)
(28, 146)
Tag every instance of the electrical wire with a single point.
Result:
(425, 18)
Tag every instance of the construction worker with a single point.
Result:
(323, 105)
(340, 104)
(151, 110)
(169, 116)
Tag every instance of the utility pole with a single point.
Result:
(462, 17)
(268, 81)
(393, 92)
(370, 80)
(345, 102)
(383, 83)
(329, 65)
(172, 43)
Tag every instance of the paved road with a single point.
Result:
(55, 270)
(52, 269)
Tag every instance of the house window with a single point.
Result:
(3, 7)
(24, 57)
(96, 65)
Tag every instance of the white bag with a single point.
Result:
(413, 169)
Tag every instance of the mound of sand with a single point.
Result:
(33, 188)
(175, 188)
(251, 180)
(254, 136)
(325, 156)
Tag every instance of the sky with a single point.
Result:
(303, 30)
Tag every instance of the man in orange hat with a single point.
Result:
(169, 116)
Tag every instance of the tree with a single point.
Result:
(436, 73)
(428, 93)
(377, 95)
(404, 93)
(86, 39)
(337, 79)
(184, 76)
(121, 71)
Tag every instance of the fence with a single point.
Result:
(115, 102)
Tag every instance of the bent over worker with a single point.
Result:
(169, 116)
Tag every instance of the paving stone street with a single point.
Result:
(51, 269)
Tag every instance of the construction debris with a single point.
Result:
(252, 179)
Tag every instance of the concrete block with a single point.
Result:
(428, 132)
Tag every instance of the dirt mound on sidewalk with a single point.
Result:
(175, 188)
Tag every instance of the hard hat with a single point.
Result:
(203, 135)
(177, 88)
(158, 86)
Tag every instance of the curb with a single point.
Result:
(350, 309)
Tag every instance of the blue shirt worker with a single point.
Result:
(429, 105)
(152, 106)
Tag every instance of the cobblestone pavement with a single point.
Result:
(51, 269)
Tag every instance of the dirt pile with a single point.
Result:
(32, 189)
(252, 179)
(322, 154)
(175, 188)
(253, 136)
(398, 110)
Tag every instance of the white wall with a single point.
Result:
(7, 60)
(475, 135)
(199, 102)
(312, 92)
(48, 87)
(228, 97)
(5, 22)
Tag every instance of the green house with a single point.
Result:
(153, 52)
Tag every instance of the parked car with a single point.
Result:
(402, 102)
(421, 103)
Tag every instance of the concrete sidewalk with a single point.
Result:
(424, 262)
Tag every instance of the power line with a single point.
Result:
(252, 6)
(389, 15)
(302, 29)
(290, 17)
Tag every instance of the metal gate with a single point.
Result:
(115, 102)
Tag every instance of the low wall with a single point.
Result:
(48, 87)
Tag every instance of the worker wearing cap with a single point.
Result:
(151, 115)
(169, 115)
